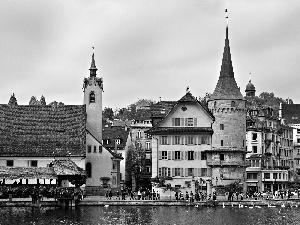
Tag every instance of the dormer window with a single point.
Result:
(118, 141)
(92, 97)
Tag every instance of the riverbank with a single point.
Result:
(102, 201)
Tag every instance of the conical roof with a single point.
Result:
(250, 87)
(226, 87)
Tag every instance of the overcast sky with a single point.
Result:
(146, 48)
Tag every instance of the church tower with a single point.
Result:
(93, 88)
(227, 157)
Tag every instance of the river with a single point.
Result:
(149, 215)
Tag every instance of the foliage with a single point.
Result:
(233, 187)
(108, 113)
(136, 160)
(267, 99)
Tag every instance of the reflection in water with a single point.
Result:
(149, 215)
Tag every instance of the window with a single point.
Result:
(205, 139)
(203, 172)
(95, 149)
(274, 175)
(298, 131)
(232, 103)
(33, 163)
(203, 155)
(190, 122)
(89, 148)
(164, 140)
(118, 141)
(190, 155)
(267, 175)
(177, 140)
(221, 126)
(100, 149)
(148, 144)
(113, 166)
(221, 156)
(88, 168)
(148, 169)
(215, 104)
(177, 122)
(139, 134)
(190, 140)
(166, 172)
(164, 155)
(190, 172)
(221, 142)
(9, 162)
(254, 149)
(92, 97)
(254, 136)
(177, 172)
(177, 154)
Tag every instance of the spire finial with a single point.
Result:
(250, 77)
(226, 11)
(93, 67)
(93, 47)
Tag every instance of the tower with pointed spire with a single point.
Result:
(227, 157)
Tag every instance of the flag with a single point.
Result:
(225, 10)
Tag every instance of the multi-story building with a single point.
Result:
(269, 151)
(179, 141)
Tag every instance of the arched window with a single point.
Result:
(88, 169)
(232, 103)
(92, 97)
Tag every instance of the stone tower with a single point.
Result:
(227, 157)
(93, 88)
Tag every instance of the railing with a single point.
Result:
(227, 163)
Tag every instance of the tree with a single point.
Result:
(108, 113)
(135, 162)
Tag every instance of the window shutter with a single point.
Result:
(173, 172)
(186, 140)
(199, 172)
(181, 172)
(173, 155)
(182, 122)
(169, 140)
(194, 155)
(169, 155)
(159, 171)
(182, 140)
(173, 122)
(186, 155)
(173, 140)
(199, 140)
(186, 171)
(199, 155)
(181, 155)
(195, 172)
(195, 122)
(159, 155)
(186, 121)
(160, 140)
(195, 140)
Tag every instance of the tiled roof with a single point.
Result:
(161, 130)
(162, 108)
(291, 113)
(35, 130)
(58, 168)
(111, 133)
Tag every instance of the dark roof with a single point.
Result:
(36, 130)
(111, 133)
(161, 130)
(58, 168)
(162, 108)
(226, 87)
(291, 113)
(250, 87)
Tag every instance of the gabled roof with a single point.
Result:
(291, 113)
(188, 97)
(37, 130)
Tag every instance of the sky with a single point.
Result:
(146, 49)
